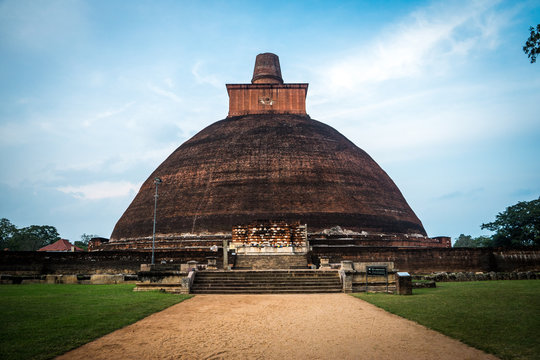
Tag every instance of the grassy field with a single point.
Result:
(39, 321)
(499, 317)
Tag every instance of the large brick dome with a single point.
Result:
(268, 166)
(267, 160)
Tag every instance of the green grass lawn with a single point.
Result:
(499, 317)
(40, 321)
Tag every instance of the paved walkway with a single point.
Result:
(329, 326)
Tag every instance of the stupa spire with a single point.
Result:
(267, 69)
(267, 94)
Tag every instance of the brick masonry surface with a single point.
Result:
(420, 261)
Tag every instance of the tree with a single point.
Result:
(7, 230)
(30, 238)
(34, 237)
(518, 225)
(85, 239)
(532, 46)
(470, 242)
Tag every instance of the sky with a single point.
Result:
(94, 95)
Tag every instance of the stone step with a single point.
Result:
(268, 273)
(230, 283)
(261, 282)
(265, 291)
(261, 278)
(277, 283)
(268, 279)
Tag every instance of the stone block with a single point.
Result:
(325, 263)
(106, 279)
(346, 265)
(404, 283)
(146, 267)
(50, 279)
(70, 279)
(361, 266)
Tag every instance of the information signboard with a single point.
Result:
(374, 270)
(377, 270)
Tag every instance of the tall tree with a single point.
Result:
(469, 241)
(532, 46)
(34, 237)
(518, 225)
(7, 230)
(85, 239)
(29, 238)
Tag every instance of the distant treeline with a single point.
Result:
(518, 225)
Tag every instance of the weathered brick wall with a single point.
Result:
(379, 240)
(271, 232)
(510, 260)
(418, 261)
(267, 98)
(428, 260)
(101, 262)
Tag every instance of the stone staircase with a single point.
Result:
(266, 282)
(261, 262)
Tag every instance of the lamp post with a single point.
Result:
(157, 181)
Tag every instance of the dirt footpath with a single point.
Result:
(333, 326)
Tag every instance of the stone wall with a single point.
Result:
(430, 260)
(416, 261)
(378, 240)
(101, 262)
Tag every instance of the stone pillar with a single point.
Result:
(346, 265)
(225, 254)
(325, 263)
(192, 265)
(346, 281)
(404, 283)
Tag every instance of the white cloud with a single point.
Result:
(165, 93)
(112, 112)
(205, 79)
(101, 190)
(108, 113)
(169, 82)
(416, 87)
(426, 44)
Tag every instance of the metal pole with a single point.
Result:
(157, 181)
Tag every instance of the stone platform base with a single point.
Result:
(267, 262)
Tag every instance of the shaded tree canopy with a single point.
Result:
(7, 230)
(470, 242)
(29, 238)
(518, 225)
(532, 46)
(85, 239)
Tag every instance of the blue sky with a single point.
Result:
(94, 95)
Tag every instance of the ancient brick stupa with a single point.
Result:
(269, 160)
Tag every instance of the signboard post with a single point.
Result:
(377, 270)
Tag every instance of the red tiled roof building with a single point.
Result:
(61, 245)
